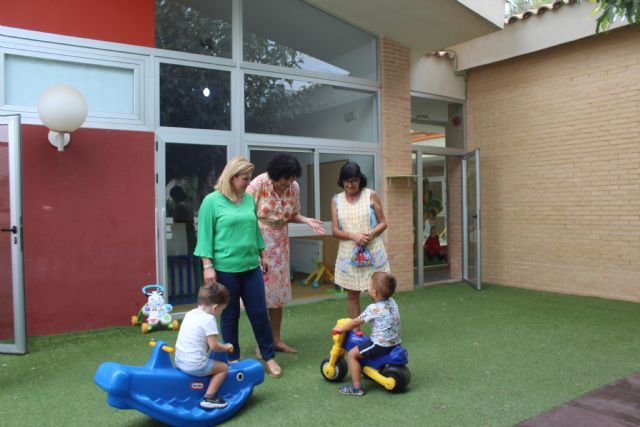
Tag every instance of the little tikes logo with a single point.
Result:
(197, 385)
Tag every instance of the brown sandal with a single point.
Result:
(275, 371)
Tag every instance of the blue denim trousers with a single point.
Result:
(248, 286)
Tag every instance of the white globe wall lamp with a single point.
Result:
(62, 109)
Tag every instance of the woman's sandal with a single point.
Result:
(275, 372)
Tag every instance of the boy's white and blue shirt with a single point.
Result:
(385, 322)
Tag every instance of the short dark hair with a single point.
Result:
(283, 165)
(351, 170)
(384, 283)
(177, 193)
(213, 293)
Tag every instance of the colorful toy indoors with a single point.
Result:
(320, 273)
(167, 394)
(155, 310)
(390, 371)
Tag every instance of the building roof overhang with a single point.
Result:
(522, 36)
(423, 25)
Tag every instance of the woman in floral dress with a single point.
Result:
(357, 219)
(277, 197)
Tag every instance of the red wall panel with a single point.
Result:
(121, 21)
(89, 229)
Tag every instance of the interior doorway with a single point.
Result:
(446, 194)
(431, 202)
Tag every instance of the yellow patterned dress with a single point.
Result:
(356, 217)
(274, 213)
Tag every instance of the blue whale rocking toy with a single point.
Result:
(171, 396)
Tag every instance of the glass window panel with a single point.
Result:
(194, 26)
(106, 89)
(436, 123)
(191, 173)
(193, 97)
(434, 194)
(298, 108)
(290, 33)
(330, 165)
(261, 157)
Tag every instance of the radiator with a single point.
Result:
(302, 254)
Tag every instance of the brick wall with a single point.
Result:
(454, 219)
(559, 132)
(396, 159)
(455, 138)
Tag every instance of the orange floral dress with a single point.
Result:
(274, 213)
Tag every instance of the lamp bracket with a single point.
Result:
(59, 139)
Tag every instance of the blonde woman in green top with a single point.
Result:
(230, 246)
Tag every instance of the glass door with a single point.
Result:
(187, 173)
(13, 337)
(471, 253)
(430, 210)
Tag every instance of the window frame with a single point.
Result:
(374, 89)
(22, 43)
(301, 230)
(238, 53)
(158, 61)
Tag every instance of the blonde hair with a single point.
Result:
(236, 166)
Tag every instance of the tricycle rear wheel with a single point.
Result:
(401, 374)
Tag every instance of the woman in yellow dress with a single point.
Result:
(357, 220)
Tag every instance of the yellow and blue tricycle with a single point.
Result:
(390, 371)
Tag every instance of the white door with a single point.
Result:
(13, 337)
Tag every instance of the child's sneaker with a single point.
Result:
(213, 402)
(353, 391)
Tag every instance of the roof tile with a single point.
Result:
(556, 4)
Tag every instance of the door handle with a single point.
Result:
(13, 230)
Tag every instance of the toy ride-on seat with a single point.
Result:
(171, 396)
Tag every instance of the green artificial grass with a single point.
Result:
(477, 358)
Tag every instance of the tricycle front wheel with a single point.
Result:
(339, 373)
